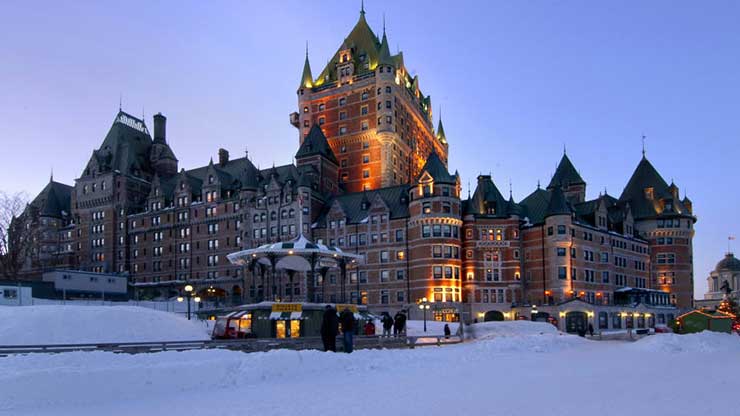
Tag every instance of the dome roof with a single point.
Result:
(729, 263)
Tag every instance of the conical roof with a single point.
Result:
(441, 132)
(315, 143)
(437, 170)
(384, 54)
(306, 77)
(558, 205)
(565, 174)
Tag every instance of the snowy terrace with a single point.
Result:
(509, 368)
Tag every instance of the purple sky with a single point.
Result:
(516, 81)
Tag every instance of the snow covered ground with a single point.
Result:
(69, 324)
(511, 368)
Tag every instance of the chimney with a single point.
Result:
(160, 127)
(223, 156)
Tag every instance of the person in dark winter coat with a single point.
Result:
(399, 323)
(347, 319)
(330, 329)
(447, 331)
(591, 330)
(387, 324)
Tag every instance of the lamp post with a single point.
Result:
(424, 306)
(189, 295)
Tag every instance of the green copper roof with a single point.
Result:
(384, 54)
(535, 205)
(441, 132)
(54, 200)
(361, 40)
(306, 77)
(566, 174)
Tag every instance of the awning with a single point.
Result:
(284, 316)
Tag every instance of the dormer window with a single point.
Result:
(210, 178)
(345, 57)
(649, 193)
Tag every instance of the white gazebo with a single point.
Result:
(296, 255)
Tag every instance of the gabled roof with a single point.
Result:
(54, 200)
(557, 205)
(395, 197)
(437, 170)
(315, 143)
(565, 174)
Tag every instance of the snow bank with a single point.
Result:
(706, 341)
(67, 324)
(521, 336)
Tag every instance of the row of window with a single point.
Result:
(440, 230)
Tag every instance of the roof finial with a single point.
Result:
(383, 23)
(120, 101)
(564, 150)
(246, 152)
(468, 188)
(51, 177)
(510, 193)
(306, 49)
(643, 146)
(538, 184)
(362, 7)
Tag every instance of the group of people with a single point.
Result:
(396, 323)
(332, 324)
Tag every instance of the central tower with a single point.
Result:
(376, 119)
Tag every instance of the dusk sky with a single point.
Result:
(517, 81)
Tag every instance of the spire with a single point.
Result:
(306, 77)
(558, 204)
(643, 146)
(362, 8)
(384, 54)
(565, 174)
(440, 128)
(565, 151)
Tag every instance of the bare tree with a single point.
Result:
(15, 233)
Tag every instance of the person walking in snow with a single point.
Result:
(329, 329)
(387, 324)
(399, 323)
(447, 331)
(347, 319)
(591, 330)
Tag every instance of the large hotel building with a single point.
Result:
(370, 176)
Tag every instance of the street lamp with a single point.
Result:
(188, 295)
(424, 306)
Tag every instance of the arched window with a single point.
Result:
(263, 216)
(273, 215)
(284, 214)
(291, 213)
(256, 217)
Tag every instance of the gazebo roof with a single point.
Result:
(296, 255)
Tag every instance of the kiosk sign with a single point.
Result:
(287, 307)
